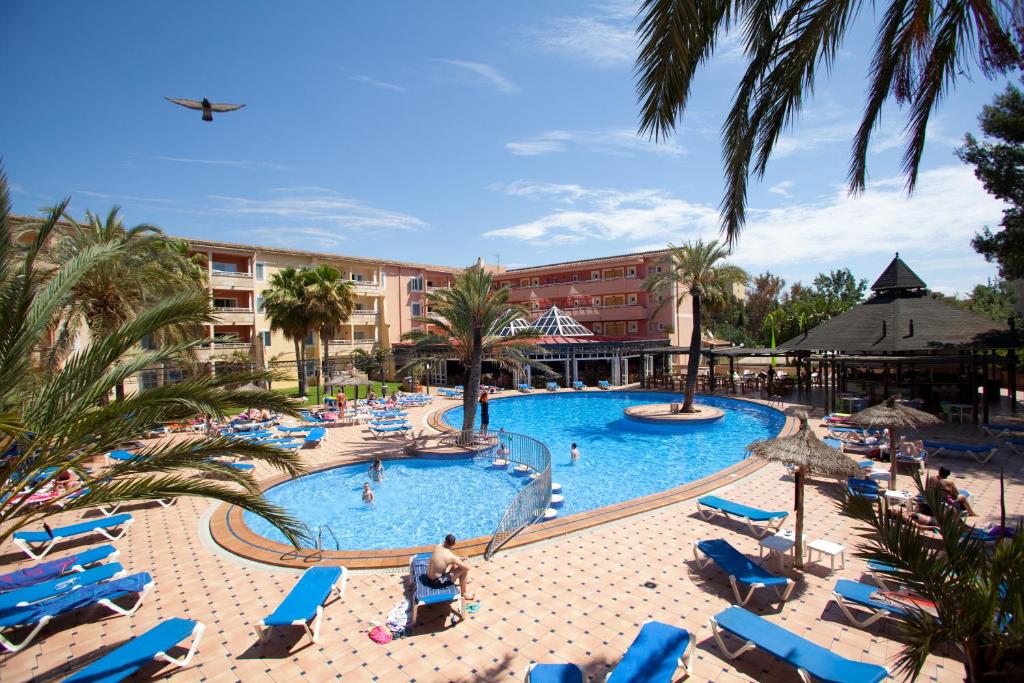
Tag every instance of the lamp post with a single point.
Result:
(428, 377)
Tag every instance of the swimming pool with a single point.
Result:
(420, 501)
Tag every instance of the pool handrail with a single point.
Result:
(530, 504)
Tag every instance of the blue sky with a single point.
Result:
(439, 132)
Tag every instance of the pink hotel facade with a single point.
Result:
(605, 295)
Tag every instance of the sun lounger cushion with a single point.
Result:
(785, 645)
(424, 593)
(866, 596)
(316, 435)
(59, 585)
(312, 590)
(123, 456)
(958, 447)
(555, 673)
(736, 564)
(139, 651)
(73, 530)
(83, 597)
(654, 655)
(54, 568)
(738, 509)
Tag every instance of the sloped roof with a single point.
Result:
(517, 325)
(555, 323)
(900, 320)
(897, 275)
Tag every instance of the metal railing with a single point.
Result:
(229, 273)
(533, 499)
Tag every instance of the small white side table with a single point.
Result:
(823, 547)
(901, 498)
(778, 545)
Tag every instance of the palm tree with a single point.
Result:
(329, 301)
(284, 304)
(465, 323)
(55, 419)
(696, 269)
(368, 361)
(977, 588)
(921, 49)
(149, 267)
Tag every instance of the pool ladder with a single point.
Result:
(320, 537)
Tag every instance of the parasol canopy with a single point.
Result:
(893, 416)
(251, 387)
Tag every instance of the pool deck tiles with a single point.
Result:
(577, 597)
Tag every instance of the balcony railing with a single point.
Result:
(225, 346)
(353, 343)
(233, 309)
(230, 273)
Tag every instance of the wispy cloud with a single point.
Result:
(121, 198)
(289, 236)
(485, 74)
(935, 224)
(604, 36)
(319, 209)
(782, 188)
(379, 84)
(615, 141)
(231, 163)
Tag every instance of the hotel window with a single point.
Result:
(631, 271)
(430, 283)
(632, 326)
(416, 284)
(259, 304)
(658, 326)
(595, 275)
(225, 303)
(311, 338)
(598, 327)
(359, 335)
(265, 334)
(536, 281)
(632, 299)
(260, 269)
(525, 282)
(416, 309)
(357, 277)
(225, 267)
(596, 300)
(612, 273)
(575, 277)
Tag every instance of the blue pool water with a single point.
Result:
(420, 501)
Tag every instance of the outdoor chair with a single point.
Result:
(37, 544)
(304, 604)
(865, 597)
(552, 386)
(578, 385)
(425, 594)
(709, 506)
(655, 655)
(127, 659)
(741, 570)
(52, 569)
(553, 673)
(811, 660)
(38, 614)
(603, 384)
(982, 452)
(61, 584)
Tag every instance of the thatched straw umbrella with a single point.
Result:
(893, 415)
(250, 387)
(807, 454)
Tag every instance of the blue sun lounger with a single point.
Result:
(982, 452)
(657, 651)
(716, 505)
(120, 456)
(864, 488)
(810, 659)
(862, 595)
(38, 614)
(51, 569)
(126, 660)
(525, 388)
(552, 386)
(603, 384)
(316, 437)
(880, 574)
(425, 594)
(995, 429)
(741, 570)
(378, 429)
(304, 604)
(293, 430)
(553, 673)
(1016, 445)
(578, 385)
(37, 544)
(59, 585)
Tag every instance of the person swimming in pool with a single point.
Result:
(574, 453)
(446, 568)
(367, 493)
(377, 470)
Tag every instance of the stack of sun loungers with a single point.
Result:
(578, 385)
(525, 388)
(603, 384)
(552, 386)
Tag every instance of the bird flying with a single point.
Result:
(205, 106)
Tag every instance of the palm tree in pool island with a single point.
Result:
(470, 323)
(698, 269)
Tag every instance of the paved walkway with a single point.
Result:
(577, 599)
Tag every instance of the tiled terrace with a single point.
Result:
(579, 598)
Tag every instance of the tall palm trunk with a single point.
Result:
(471, 393)
(693, 361)
(300, 370)
(326, 344)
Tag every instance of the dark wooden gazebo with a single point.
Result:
(906, 340)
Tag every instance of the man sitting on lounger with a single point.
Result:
(445, 568)
(953, 495)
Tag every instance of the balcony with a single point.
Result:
(231, 315)
(224, 279)
(212, 350)
(371, 287)
(342, 347)
(619, 285)
(364, 317)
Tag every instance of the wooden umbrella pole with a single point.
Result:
(798, 547)
(892, 459)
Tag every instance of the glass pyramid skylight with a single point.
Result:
(554, 322)
(517, 325)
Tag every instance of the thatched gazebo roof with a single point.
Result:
(804, 449)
